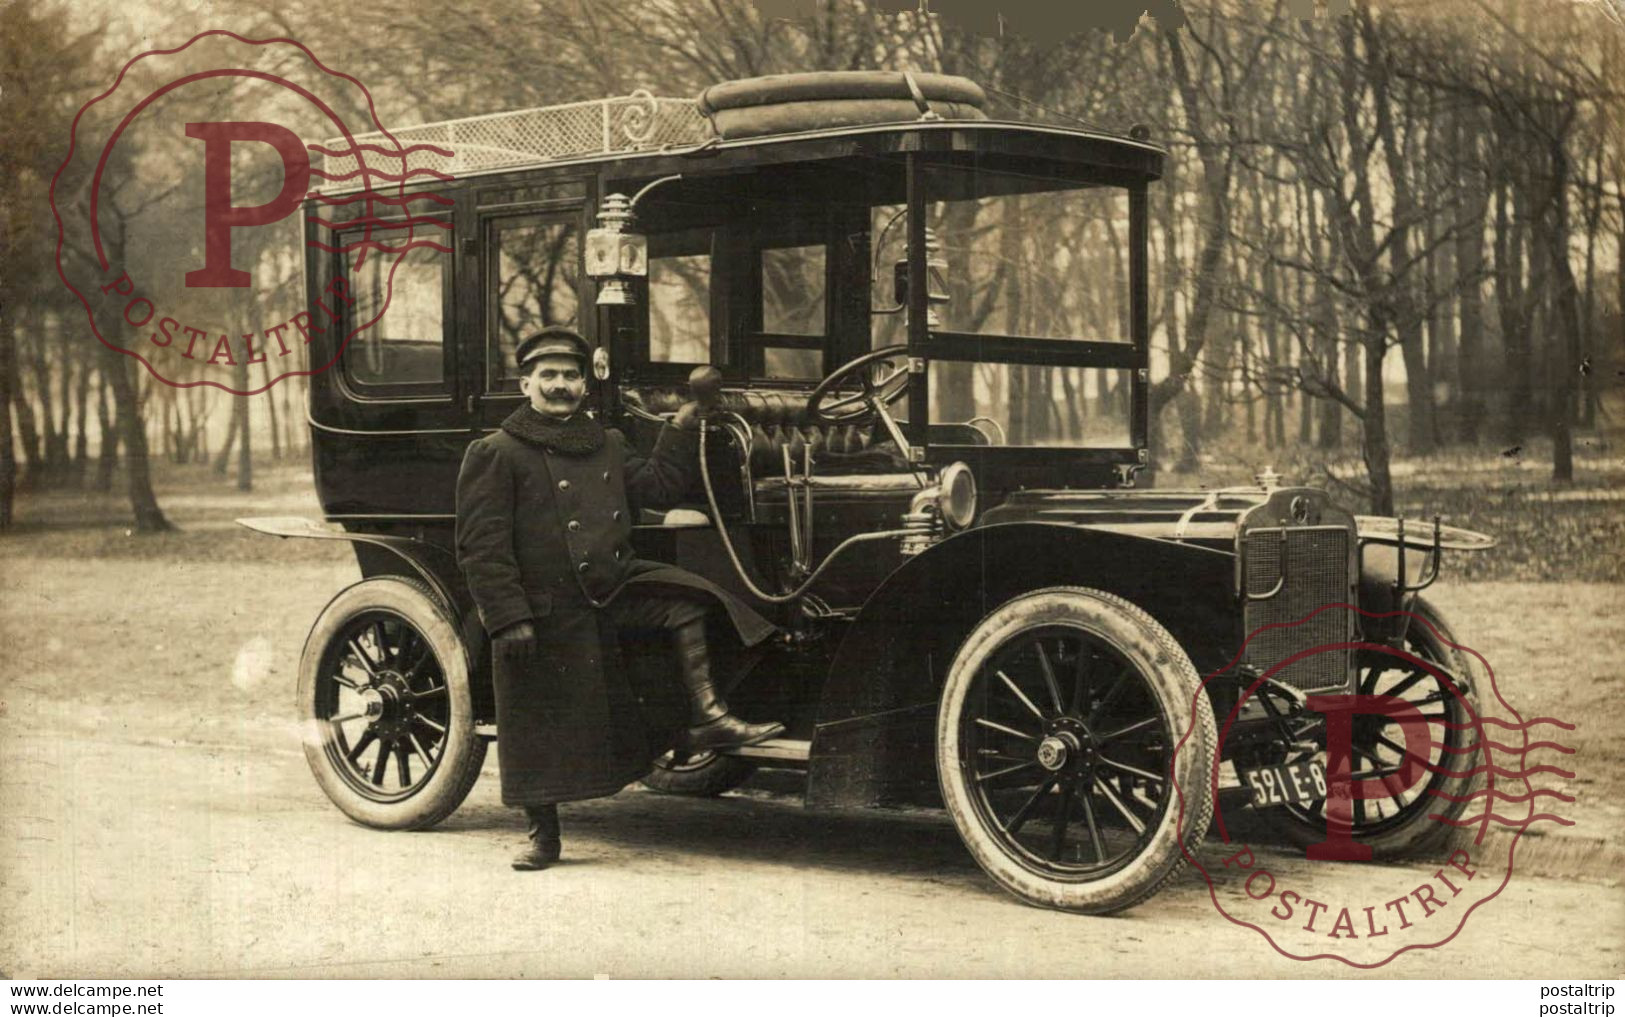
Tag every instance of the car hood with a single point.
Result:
(1201, 517)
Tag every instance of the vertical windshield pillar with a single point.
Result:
(1139, 284)
(919, 390)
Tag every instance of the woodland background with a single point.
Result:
(1388, 246)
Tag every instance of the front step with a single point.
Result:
(776, 750)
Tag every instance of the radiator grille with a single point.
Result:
(1317, 573)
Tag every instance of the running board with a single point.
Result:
(782, 750)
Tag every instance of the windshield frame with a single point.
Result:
(1006, 467)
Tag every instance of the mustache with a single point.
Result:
(561, 394)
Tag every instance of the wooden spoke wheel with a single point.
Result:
(1055, 750)
(383, 686)
(1397, 825)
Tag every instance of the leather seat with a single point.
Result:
(778, 420)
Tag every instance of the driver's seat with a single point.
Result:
(778, 420)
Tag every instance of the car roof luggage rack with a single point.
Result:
(573, 130)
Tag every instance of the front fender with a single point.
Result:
(876, 720)
(1379, 560)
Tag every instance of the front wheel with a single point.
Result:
(1055, 750)
(1406, 822)
(384, 693)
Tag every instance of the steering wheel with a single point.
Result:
(824, 407)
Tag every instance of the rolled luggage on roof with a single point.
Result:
(789, 103)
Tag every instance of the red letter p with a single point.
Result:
(219, 214)
(1343, 787)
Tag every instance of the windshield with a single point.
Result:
(1048, 264)
(1051, 264)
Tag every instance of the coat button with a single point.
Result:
(606, 476)
(616, 515)
(619, 554)
(564, 485)
(574, 525)
(582, 567)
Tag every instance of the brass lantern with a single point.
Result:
(616, 252)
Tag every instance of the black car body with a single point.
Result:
(777, 260)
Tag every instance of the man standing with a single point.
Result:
(544, 523)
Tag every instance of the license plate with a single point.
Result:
(1287, 784)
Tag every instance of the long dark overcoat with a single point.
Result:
(545, 535)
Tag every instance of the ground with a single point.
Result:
(157, 818)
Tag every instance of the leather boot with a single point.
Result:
(711, 725)
(543, 830)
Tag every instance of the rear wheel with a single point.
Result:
(384, 691)
(1055, 750)
(701, 775)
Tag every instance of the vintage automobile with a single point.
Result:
(922, 337)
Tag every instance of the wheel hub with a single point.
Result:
(386, 704)
(372, 704)
(1066, 746)
(1052, 753)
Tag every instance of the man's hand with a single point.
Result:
(518, 631)
(687, 417)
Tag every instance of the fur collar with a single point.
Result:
(580, 435)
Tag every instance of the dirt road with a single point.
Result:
(157, 819)
(127, 859)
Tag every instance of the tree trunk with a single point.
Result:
(1471, 348)
(270, 408)
(1441, 330)
(8, 452)
(81, 439)
(1274, 411)
(245, 446)
(1564, 355)
(107, 460)
(223, 458)
(1528, 264)
(1306, 403)
(1215, 219)
(149, 518)
(64, 430)
(1593, 223)
(51, 464)
(1509, 301)
(289, 439)
(1189, 405)
(1408, 323)
(1218, 382)
(1374, 445)
(1418, 392)
(27, 431)
(1323, 333)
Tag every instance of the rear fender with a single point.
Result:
(385, 554)
(876, 721)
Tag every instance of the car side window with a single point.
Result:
(793, 290)
(680, 298)
(398, 317)
(533, 279)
